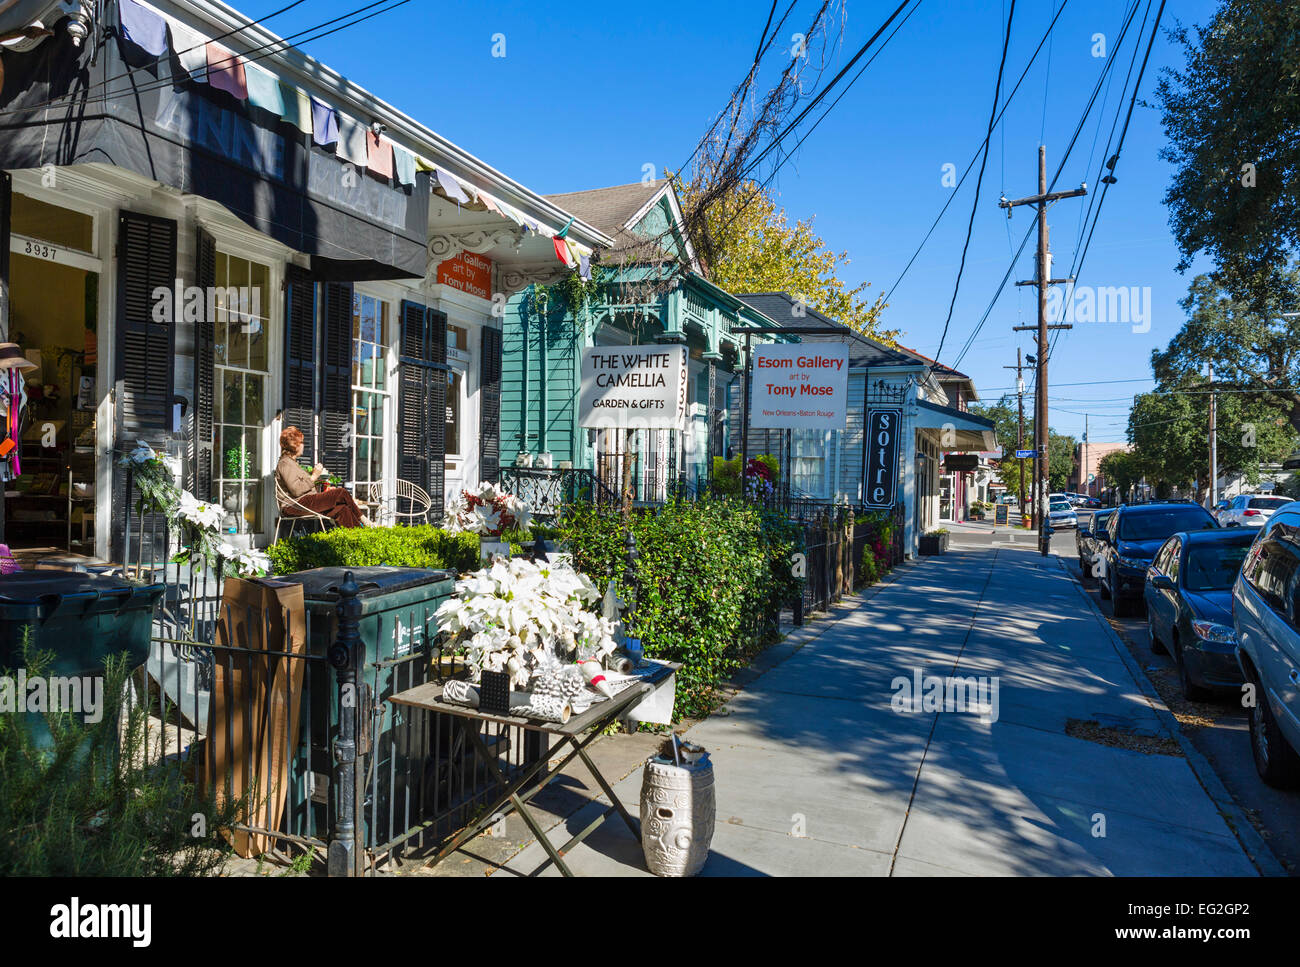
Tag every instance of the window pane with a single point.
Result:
(256, 343)
(362, 459)
(453, 412)
(232, 392)
(253, 387)
(50, 223)
(376, 463)
(252, 453)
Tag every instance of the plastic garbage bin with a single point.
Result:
(81, 618)
(397, 627)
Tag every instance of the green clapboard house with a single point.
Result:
(648, 290)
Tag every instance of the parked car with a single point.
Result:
(1134, 534)
(1251, 510)
(1188, 595)
(1219, 508)
(1008, 499)
(1266, 616)
(1089, 539)
(1060, 514)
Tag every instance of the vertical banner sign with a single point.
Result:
(883, 426)
(633, 388)
(800, 387)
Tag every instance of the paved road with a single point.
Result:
(1217, 728)
(819, 773)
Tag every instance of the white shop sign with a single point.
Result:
(800, 387)
(633, 388)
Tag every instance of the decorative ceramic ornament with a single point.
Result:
(677, 812)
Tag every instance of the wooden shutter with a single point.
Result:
(146, 355)
(336, 380)
(437, 342)
(489, 396)
(300, 357)
(422, 401)
(199, 475)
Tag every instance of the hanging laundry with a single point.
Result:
(191, 49)
(450, 186)
(264, 89)
(324, 123)
(226, 71)
(352, 141)
(143, 27)
(404, 164)
(297, 107)
(379, 155)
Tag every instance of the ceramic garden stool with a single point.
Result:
(677, 812)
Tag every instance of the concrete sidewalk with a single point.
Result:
(818, 775)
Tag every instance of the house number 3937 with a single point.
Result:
(37, 250)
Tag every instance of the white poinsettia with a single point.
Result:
(199, 513)
(487, 510)
(532, 614)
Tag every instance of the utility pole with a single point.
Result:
(1083, 471)
(1043, 281)
(1020, 426)
(1214, 442)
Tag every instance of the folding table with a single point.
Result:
(579, 732)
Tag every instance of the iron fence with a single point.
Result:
(294, 723)
(547, 491)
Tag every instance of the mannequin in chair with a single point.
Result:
(334, 502)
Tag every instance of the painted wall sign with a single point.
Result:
(468, 273)
(633, 388)
(883, 428)
(800, 387)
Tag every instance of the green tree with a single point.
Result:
(1255, 351)
(757, 249)
(1060, 460)
(1231, 115)
(1121, 470)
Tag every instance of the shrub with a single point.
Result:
(710, 574)
(422, 546)
(870, 565)
(77, 803)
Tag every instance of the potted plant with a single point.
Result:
(934, 542)
(489, 512)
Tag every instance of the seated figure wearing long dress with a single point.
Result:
(334, 502)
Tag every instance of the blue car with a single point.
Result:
(1189, 606)
(1134, 534)
(1266, 615)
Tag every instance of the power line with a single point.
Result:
(979, 180)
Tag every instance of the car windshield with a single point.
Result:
(1060, 505)
(1266, 503)
(1158, 524)
(1213, 567)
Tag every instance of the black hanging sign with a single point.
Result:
(881, 483)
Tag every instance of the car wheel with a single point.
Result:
(1157, 646)
(1275, 760)
(1191, 691)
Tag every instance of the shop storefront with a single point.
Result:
(227, 247)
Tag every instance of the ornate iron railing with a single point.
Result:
(547, 491)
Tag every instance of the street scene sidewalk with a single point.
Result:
(818, 774)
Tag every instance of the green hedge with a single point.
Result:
(711, 574)
(423, 546)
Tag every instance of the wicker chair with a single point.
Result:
(415, 498)
(304, 513)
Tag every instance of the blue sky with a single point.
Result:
(588, 93)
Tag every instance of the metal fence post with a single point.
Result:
(342, 858)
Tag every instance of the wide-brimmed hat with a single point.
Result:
(11, 357)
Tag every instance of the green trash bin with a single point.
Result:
(397, 628)
(81, 619)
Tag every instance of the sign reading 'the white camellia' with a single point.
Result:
(803, 387)
(633, 388)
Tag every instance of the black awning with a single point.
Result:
(64, 106)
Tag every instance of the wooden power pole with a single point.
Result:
(1020, 426)
(1043, 280)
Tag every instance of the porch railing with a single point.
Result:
(548, 491)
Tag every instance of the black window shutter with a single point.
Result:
(300, 357)
(146, 356)
(199, 476)
(6, 196)
(437, 342)
(336, 380)
(489, 395)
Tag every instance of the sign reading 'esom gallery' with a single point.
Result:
(633, 387)
(803, 387)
